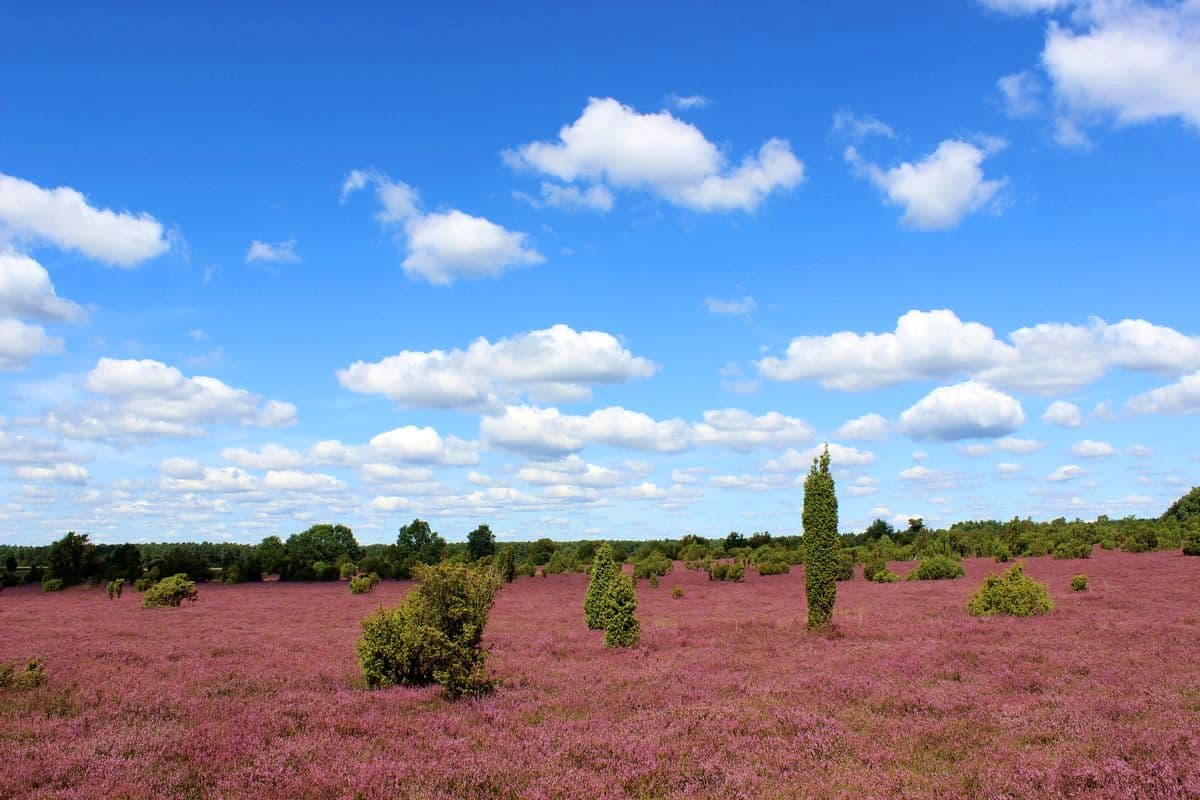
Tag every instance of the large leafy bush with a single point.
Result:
(1013, 593)
(434, 635)
(170, 592)
(937, 568)
(604, 568)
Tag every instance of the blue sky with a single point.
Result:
(594, 272)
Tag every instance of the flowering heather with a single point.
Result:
(254, 691)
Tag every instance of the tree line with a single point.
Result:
(331, 552)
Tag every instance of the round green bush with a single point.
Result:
(114, 589)
(1079, 583)
(52, 585)
(170, 592)
(937, 568)
(434, 635)
(142, 584)
(677, 592)
(1013, 593)
(363, 584)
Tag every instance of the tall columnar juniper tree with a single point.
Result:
(621, 628)
(604, 568)
(821, 543)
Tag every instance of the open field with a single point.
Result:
(254, 691)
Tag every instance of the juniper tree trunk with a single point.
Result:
(821, 543)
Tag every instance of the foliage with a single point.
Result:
(363, 584)
(541, 551)
(170, 592)
(314, 554)
(417, 543)
(1003, 554)
(53, 585)
(1013, 593)
(677, 592)
(1079, 583)
(142, 584)
(821, 542)
(726, 571)
(347, 570)
(779, 567)
(603, 571)
(876, 569)
(937, 568)
(32, 676)
(621, 627)
(434, 635)
(1186, 509)
(654, 565)
(1191, 541)
(506, 563)
(481, 542)
(845, 565)
(1073, 549)
(72, 559)
(114, 589)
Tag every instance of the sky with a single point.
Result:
(588, 272)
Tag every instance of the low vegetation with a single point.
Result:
(1079, 583)
(937, 568)
(1014, 593)
(434, 635)
(170, 592)
(363, 584)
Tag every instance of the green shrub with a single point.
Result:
(52, 585)
(621, 628)
(170, 592)
(526, 568)
(32, 676)
(1191, 542)
(677, 592)
(1079, 583)
(347, 570)
(726, 571)
(142, 584)
(363, 584)
(654, 565)
(1003, 554)
(506, 563)
(845, 565)
(434, 635)
(937, 568)
(114, 589)
(604, 568)
(875, 568)
(1073, 549)
(1013, 593)
(773, 567)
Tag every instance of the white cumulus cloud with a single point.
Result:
(612, 144)
(962, 411)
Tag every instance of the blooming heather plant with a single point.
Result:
(245, 695)
(434, 635)
(621, 627)
(594, 603)
(170, 592)
(821, 543)
(1013, 593)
